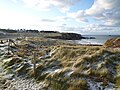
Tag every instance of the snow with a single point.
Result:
(97, 85)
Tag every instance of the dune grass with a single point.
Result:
(71, 65)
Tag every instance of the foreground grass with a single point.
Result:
(66, 66)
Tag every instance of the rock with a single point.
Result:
(67, 36)
(88, 37)
(70, 36)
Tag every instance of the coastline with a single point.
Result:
(57, 59)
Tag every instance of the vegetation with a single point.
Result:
(64, 66)
(114, 42)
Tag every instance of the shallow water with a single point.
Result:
(99, 39)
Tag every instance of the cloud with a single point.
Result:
(62, 18)
(45, 5)
(105, 11)
(78, 16)
(47, 20)
(96, 29)
(15, 1)
(56, 19)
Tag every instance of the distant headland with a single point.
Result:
(55, 34)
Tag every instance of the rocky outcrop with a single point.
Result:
(67, 36)
(64, 36)
(71, 36)
(115, 43)
(88, 37)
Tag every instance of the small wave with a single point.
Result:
(88, 42)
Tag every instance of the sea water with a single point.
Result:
(99, 39)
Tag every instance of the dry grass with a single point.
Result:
(11, 61)
(117, 81)
(114, 43)
(69, 54)
(85, 62)
(23, 69)
(78, 85)
(117, 78)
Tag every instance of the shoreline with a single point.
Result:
(72, 41)
(58, 62)
(90, 44)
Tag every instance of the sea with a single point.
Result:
(99, 39)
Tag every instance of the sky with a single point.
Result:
(87, 17)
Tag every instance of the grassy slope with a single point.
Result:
(68, 64)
